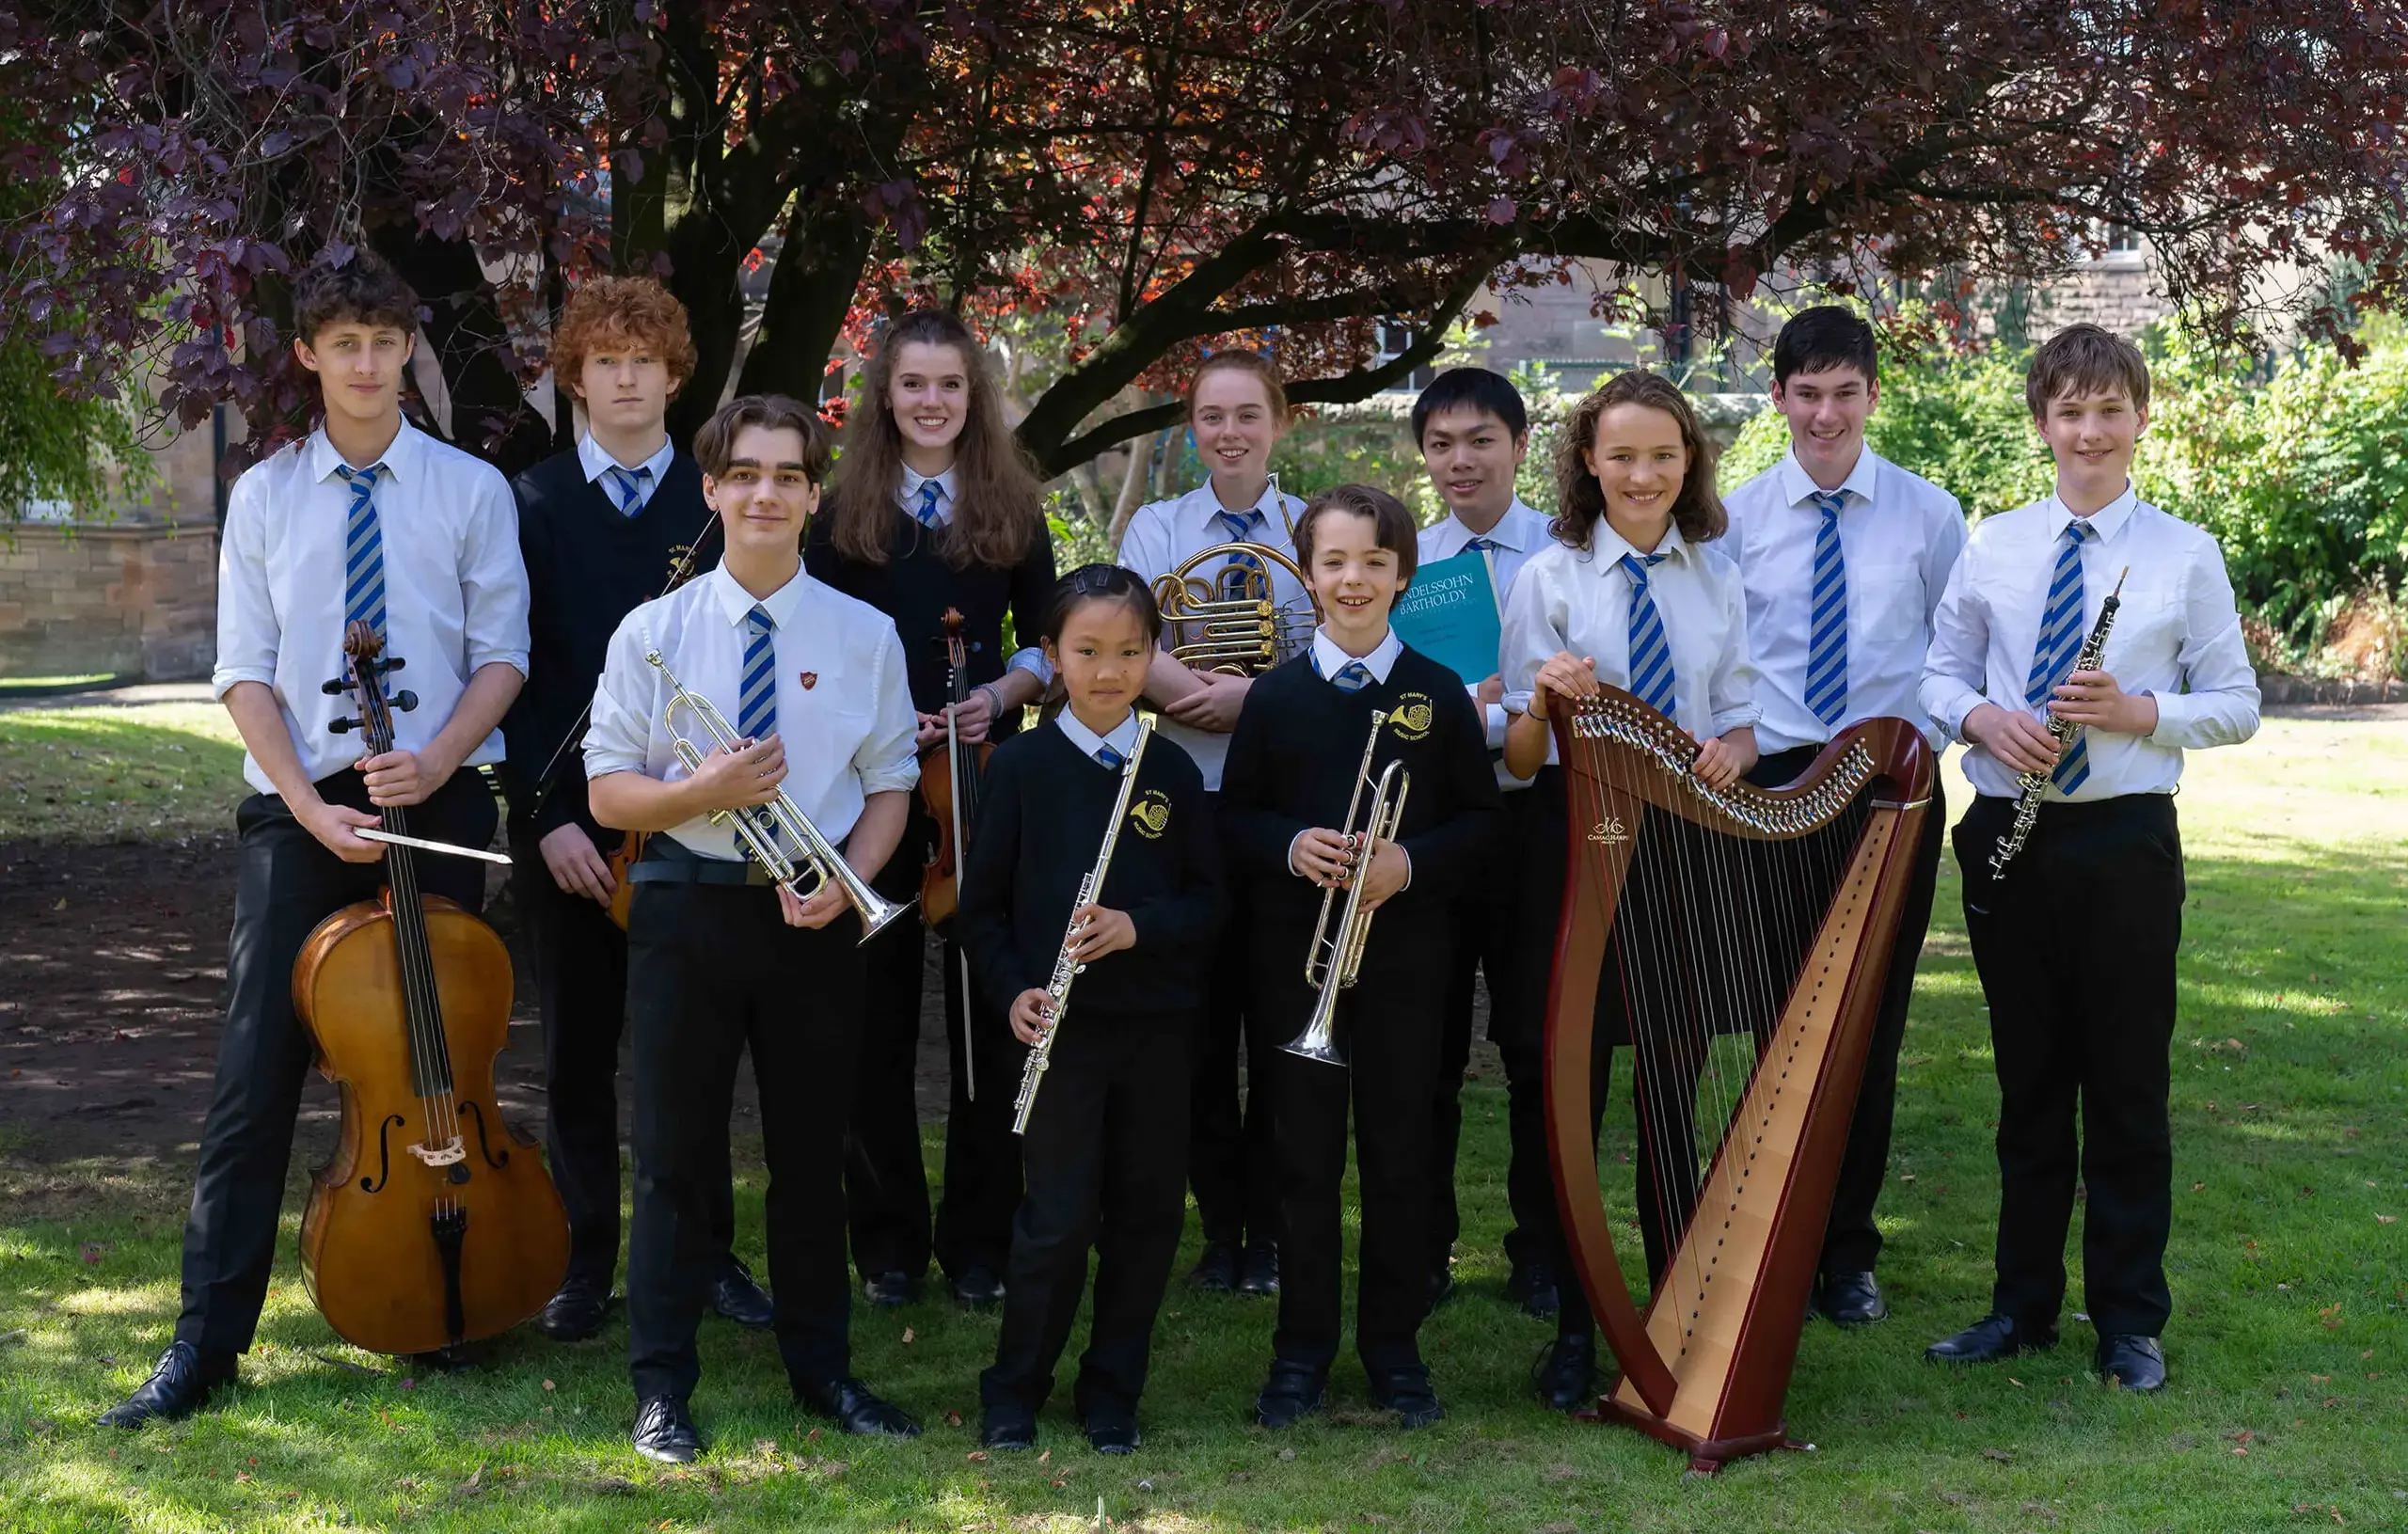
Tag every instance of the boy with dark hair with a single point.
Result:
(366, 520)
(1293, 765)
(1843, 556)
(720, 958)
(603, 528)
(2075, 935)
(1473, 432)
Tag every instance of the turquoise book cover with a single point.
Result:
(1449, 613)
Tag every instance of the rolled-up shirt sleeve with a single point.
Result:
(2219, 703)
(1955, 668)
(885, 761)
(618, 736)
(493, 579)
(247, 631)
(1731, 691)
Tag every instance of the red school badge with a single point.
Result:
(809, 680)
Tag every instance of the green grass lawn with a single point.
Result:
(2289, 1406)
(148, 771)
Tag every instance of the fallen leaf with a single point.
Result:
(953, 1419)
(2012, 1381)
(978, 1456)
(2386, 1219)
(1045, 1456)
(548, 1386)
(909, 1335)
(2001, 1455)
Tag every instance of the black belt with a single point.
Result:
(667, 860)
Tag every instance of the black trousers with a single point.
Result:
(2075, 948)
(288, 885)
(1105, 1158)
(1390, 1025)
(1233, 1154)
(712, 968)
(886, 1184)
(1491, 942)
(580, 962)
(1851, 1238)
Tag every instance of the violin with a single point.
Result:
(950, 775)
(434, 1223)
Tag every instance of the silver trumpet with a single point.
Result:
(759, 827)
(1066, 969)
(1336, 955)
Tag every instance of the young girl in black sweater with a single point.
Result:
(1293, 766)
(1104, 1152)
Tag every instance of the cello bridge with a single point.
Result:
(444, 1155)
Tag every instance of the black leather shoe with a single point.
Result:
(1988, 1340)
(851, 1406)
(1007, 1431)
(1406, 1392)
(1565, 1375)
(1258, 1269)
(1851, 1299)
(889, 1289)
(1442, 1285)
(181, 1382)
(980, 1288)
(2135, 1363)
(736, 1296)
(1531, 1285)
(1112, 1433)
(1288, 1394)
(1217, 1270)
(577, 1311)
(665, 1430)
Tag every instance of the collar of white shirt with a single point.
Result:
(1796, 485)
(402, 457)
(1123, 737)
(2104, 523)
(1207, 509)
(735, 602)
(1328, 658)
(1607, 546)
(909, 496)
(592, 458)
(1520, 528)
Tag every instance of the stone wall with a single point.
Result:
(137, 600)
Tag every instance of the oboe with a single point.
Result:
(2035, 785)
(1066, 969)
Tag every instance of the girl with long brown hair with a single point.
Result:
(935, 509)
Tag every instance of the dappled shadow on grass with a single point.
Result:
(2290, 1093)
(137, 774)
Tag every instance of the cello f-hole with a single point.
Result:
(384, 1177)
(484, 1145)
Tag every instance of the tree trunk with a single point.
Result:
(810, 291)
(470, 341)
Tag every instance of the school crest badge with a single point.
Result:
(1412, 716)
(809, 680)
(1150, 814)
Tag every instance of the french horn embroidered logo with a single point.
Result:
(1150, 814)
(1609, 831)
(1412, 716)
(809, 680)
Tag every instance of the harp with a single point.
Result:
(1746, 933)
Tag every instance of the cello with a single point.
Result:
(434, 1224)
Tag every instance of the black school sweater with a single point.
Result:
(1041, 825)
(914, 587)
(1291, 766)
(588, 565)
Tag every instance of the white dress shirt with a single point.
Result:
(844, 703)
(1899, 537)
(908, 496)
(1165, 534)
(2177, 636)
(455, 589)
(1123, 737)
(1520, 533)
(1328, 660)
(1578, 599)
(596, 462)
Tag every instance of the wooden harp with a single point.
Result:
(1754, 944)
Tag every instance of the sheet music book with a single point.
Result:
(1451, 614)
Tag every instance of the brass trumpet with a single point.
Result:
(760, 826)
(1335, 955)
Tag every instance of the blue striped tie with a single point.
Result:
(630, 487)
(927, 510)
(2059, 645)
(1110, 756)
(756, 705)
(1482, 544)
(1826, 629)
(1352, 677)
(363, 552)
(1243, 527)
(1651, 653)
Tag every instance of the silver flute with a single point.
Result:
(2033, 786)
(1066, 968)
